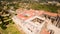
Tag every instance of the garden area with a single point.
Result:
(11, 29)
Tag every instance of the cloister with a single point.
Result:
(36, 21)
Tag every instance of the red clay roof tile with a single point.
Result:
(21, 13)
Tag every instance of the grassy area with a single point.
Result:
(11, 29)
(51, 8)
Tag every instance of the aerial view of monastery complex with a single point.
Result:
(37, 21)
(29, 16)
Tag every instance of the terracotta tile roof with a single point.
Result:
(44, 31)
(50, 14)
(26, 14)
(23, 13)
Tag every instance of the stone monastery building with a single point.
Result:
(37, 21)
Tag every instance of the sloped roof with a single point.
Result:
(25, 14)
(44, 31)
(50, 14)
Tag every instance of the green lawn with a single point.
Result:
(11, 29)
